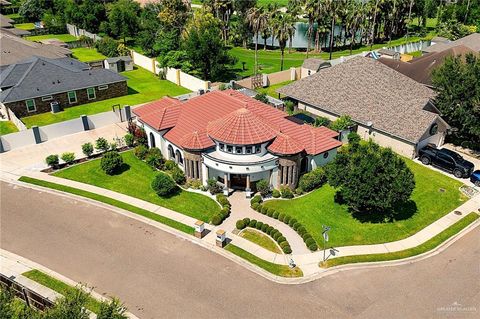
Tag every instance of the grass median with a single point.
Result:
(276, 269)
(427, 246)
(59, 286)
(110, 201)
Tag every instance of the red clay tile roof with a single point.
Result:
(232, 117)
(286, 145)
(161, 114)
(241, 127)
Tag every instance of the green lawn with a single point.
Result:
(7, 127)
(269, 60)
(135, 182)
(271, 90)
(60, 37)
(431, 22)
(434, 196)
(25, 26)
(276, 269)
(60, 287)
(143, 87)
(420, 249)
(87, 54)
(110, 201)
(416, 54)
(13, 16)
(260, 239)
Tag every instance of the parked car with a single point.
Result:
(447, 160)
(475, 178)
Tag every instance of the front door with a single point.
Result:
(121, 66)
(238, 181)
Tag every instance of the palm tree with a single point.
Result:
(273, 9)
(257, 19)
(283, 31)
(354, 21)
(310, 9)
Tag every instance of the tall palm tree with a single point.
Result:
(310, 9)
(294, 8)
(283, 31)
(273, 9)
(257, 19)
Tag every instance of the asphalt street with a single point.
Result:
(159, 275)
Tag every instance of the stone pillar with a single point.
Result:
(225, 184)
(248, 190)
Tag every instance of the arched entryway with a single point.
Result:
(171, 154)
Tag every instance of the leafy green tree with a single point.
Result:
(163, 184)
(262, 97)
(86, 14)
(204, 47)
(458, 86)
(342, 123)
(112, 310)
(371, 178)
(32, 10)
(123, 18)
(111, 162)
(177, 60)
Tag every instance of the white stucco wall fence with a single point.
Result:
(76, 32)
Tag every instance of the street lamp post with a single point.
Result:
(325, 231)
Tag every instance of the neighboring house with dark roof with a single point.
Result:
(312, 65)
(387, 106)
(420, 69)
(29, 87)
(471, 41)
(235, 139)
(14, 49)
(7, 25)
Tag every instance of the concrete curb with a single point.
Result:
(254, 268)
(31, 264)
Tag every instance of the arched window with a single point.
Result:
(179, 158)
(171, 154)
(304, 165)
(152, 140)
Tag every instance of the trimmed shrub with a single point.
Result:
(287, 250)
(163, 184)
(256, 199)
(281, 216)
(283, 244)
(281, 239)
(255, 206)
(275, 215)
(240, 224)
(52, 160)
(313, 247)
(292, 222)
(222, 200)
(102, 145)
(252, 223)
(246, 221)
(306, 236)
(87, 149)
(296, 225)
(213, 186)
(68, 157)
(298, 191)
(154, 158)
(225, 212)
(170, 165)
(264, 228)
(301, 230)
(270, 212)
(111, 162)
(286, 192)
(276, 193)
(259, 225)
(263, 187)
(312, 180)
(309, 242)
(178, 176)
(270, 230)
(217, 219)
(276, 235)
(259, 208)
(286, 219)
(140, 151)
(129, 139)
(264, 210)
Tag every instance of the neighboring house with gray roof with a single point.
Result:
(14, 49)
(471, 41)
(29, 87)
(387, 106)
(312, 65)
(7, 25)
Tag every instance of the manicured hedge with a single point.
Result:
(267, 229)
(288, 220)
(224, 212)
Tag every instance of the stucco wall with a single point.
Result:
(319, 160)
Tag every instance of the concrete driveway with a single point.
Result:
(32, 157)
(161, 276)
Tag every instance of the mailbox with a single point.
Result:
(199, 229)
(221, 238)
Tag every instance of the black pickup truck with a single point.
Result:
(447, 160)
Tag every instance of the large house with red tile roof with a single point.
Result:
(235, 140)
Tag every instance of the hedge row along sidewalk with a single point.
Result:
(430, 244)
(276, 269)
(271, 231)
(59, 286)
(110, 201)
